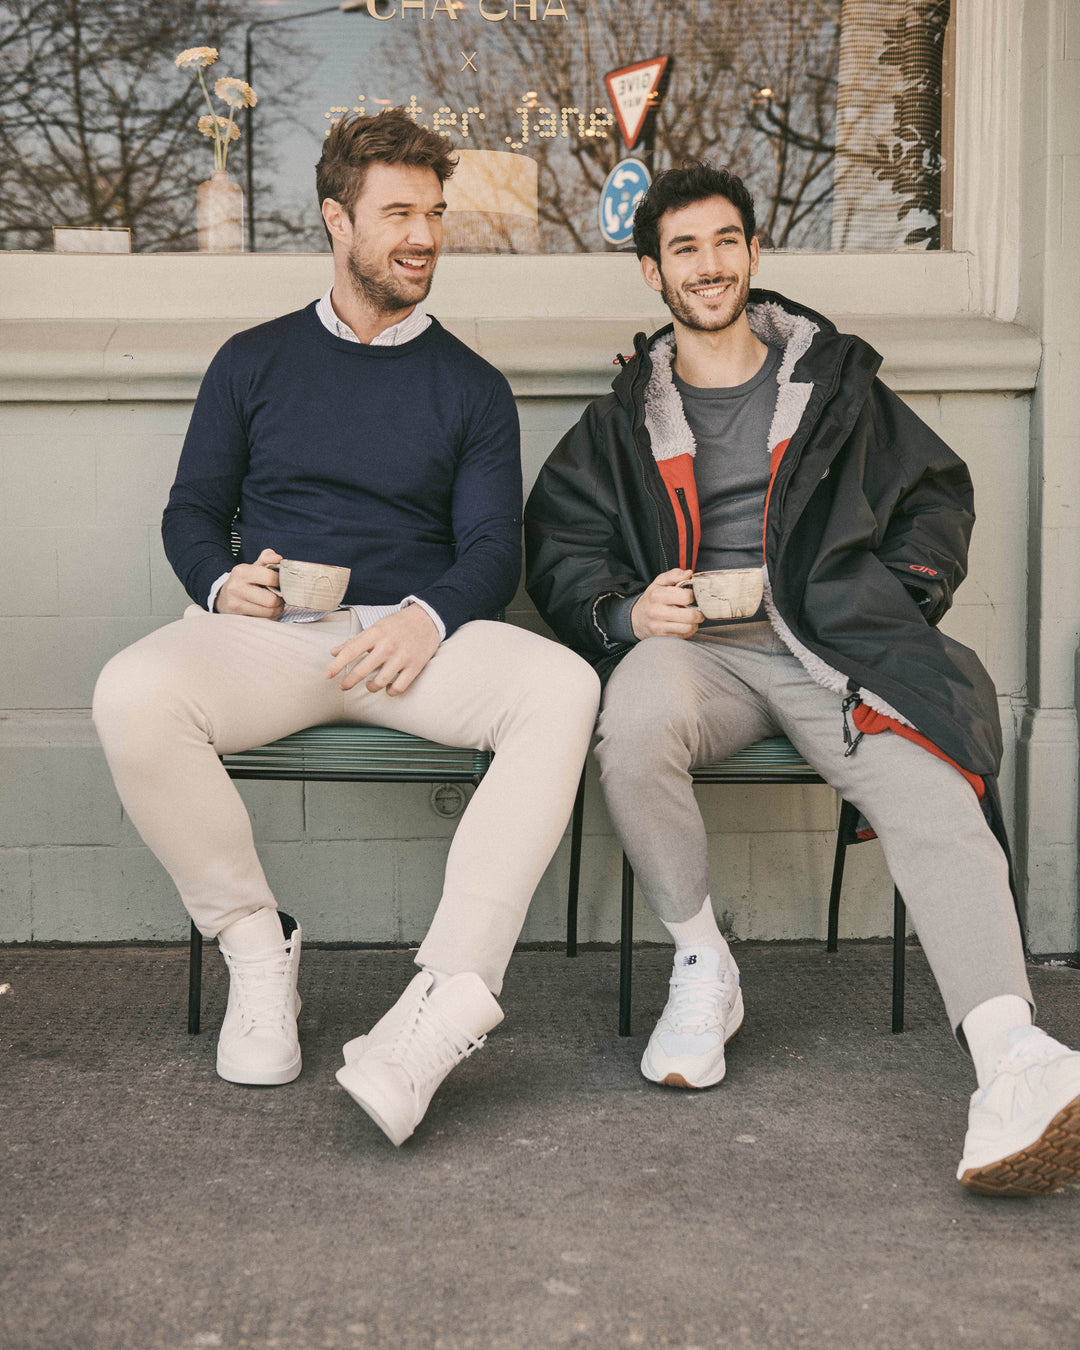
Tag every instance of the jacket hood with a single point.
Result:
(798, 330)
(771, 323)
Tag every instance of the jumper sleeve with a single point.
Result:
(576, 556)
(486, 516)
(196, 524)
(926, 541)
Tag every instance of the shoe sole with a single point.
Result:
(1051, 1161)
(355, 1085)
(246, 1079)
(676, 1080)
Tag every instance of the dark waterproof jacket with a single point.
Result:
(867, 522)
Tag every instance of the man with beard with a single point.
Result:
(751, 432)
(355, 432)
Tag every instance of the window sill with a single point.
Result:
(144, 327)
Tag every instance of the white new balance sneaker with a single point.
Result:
(393, 1071)
(258, 1044)
(1023, 1133)
(704, 1010)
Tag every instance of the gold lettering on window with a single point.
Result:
(491, 18)
(538, 121)
(470, 112)
(443, 117)
(565, 116)
(375, 13)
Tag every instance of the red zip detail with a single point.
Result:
(774, 463)
(678, 477)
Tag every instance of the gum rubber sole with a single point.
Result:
(1051, 1161)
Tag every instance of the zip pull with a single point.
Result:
(851, 701)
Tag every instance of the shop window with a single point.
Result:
(836, 112)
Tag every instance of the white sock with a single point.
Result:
(257, 932)
(701, 931)
(987, 1028)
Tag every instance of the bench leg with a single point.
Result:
(626, 946)
(577, 820)
(844, 831)
(899, 950)
(194, 998)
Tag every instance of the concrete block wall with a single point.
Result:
(83, 485)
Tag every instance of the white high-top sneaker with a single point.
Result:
(258, 1044)
(704, 1010)
(393, 1071)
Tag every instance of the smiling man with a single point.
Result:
(356, 432)
(749, 433)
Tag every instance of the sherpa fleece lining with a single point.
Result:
(670, 436)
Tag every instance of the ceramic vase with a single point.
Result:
(220, 214)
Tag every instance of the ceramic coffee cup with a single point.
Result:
(734, 593)
(310, 585)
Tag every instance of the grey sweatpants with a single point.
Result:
(673, 703)
(211, 684)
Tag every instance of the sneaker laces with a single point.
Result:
(264, 988)
(692, 1004)
(429, 1045)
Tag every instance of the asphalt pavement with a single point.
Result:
(551, 1197)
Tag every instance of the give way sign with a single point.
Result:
(632, 89)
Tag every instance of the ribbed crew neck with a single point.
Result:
(768, 368)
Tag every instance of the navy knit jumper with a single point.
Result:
(402, 463)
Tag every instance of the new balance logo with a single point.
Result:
(690, 960)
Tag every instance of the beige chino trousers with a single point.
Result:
(211, 684)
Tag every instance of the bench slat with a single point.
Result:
(774, 759)
(351, 753)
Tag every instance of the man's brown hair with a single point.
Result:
(391, 137)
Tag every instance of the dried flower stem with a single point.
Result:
(221, 148)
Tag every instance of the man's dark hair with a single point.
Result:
(390, 137)
(675, 188)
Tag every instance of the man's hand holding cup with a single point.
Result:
(247, 591)
(666, 608)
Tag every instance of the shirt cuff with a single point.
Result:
(211, 599)
(439, 625)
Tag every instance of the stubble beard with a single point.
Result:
(681, 308)
(382, 293)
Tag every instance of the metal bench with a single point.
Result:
(342, 753)
(773, 760)
(349, 753)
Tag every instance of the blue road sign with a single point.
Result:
(623, 189)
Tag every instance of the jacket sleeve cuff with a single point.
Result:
(612, 617)
(931, 599)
